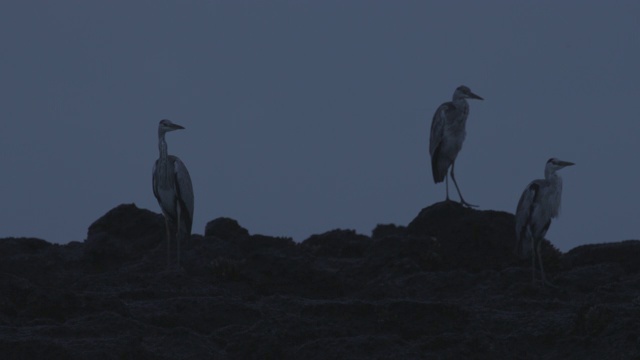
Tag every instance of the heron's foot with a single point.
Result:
(464, 203)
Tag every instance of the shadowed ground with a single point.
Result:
(445, 286)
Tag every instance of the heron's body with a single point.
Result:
(448, 131)
(173, 190)
(176, 203)
(538, 205)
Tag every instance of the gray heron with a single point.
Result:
(539, 203)
(447, 135)
(173, 190)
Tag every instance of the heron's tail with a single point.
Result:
(523, 245)
(185, 229)
(186, 220)
(439, 168)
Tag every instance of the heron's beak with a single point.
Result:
(565, 163)
(176, 127)
(474, 96)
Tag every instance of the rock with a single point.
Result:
(337, 243)
(467, 238)
(625, 253)
(225, 228)
(388, 230)
(22, 246)
(445, 286)
(123, 234)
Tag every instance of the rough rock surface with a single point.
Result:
(446, 286)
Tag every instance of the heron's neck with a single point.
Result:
(549, 173)
(555, 192)
(162, 146)
(463, 109)
(553, 178)
(461, 103)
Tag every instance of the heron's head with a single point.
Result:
(556, 164)
(463, 92)
(166, 126)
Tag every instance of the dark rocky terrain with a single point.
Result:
(446, 286)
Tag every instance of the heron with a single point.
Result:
(173, 190)
(539, 203)
(447, 135)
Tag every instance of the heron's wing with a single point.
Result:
(184, 190)
(525, 208)
(437, 126)
(524, 216)
(155, 181)
(439, 164)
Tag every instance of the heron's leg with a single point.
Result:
(453, 176)
(533, 260)
(518, 250)
(178, 235)
(544, 280)
(446, 179)
(168, 230)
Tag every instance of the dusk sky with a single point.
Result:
(306, 116)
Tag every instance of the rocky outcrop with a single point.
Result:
(447, 285)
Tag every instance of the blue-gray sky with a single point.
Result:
(305, 116)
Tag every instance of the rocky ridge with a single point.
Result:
(446, 286)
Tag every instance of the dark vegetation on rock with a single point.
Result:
(446, 286)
